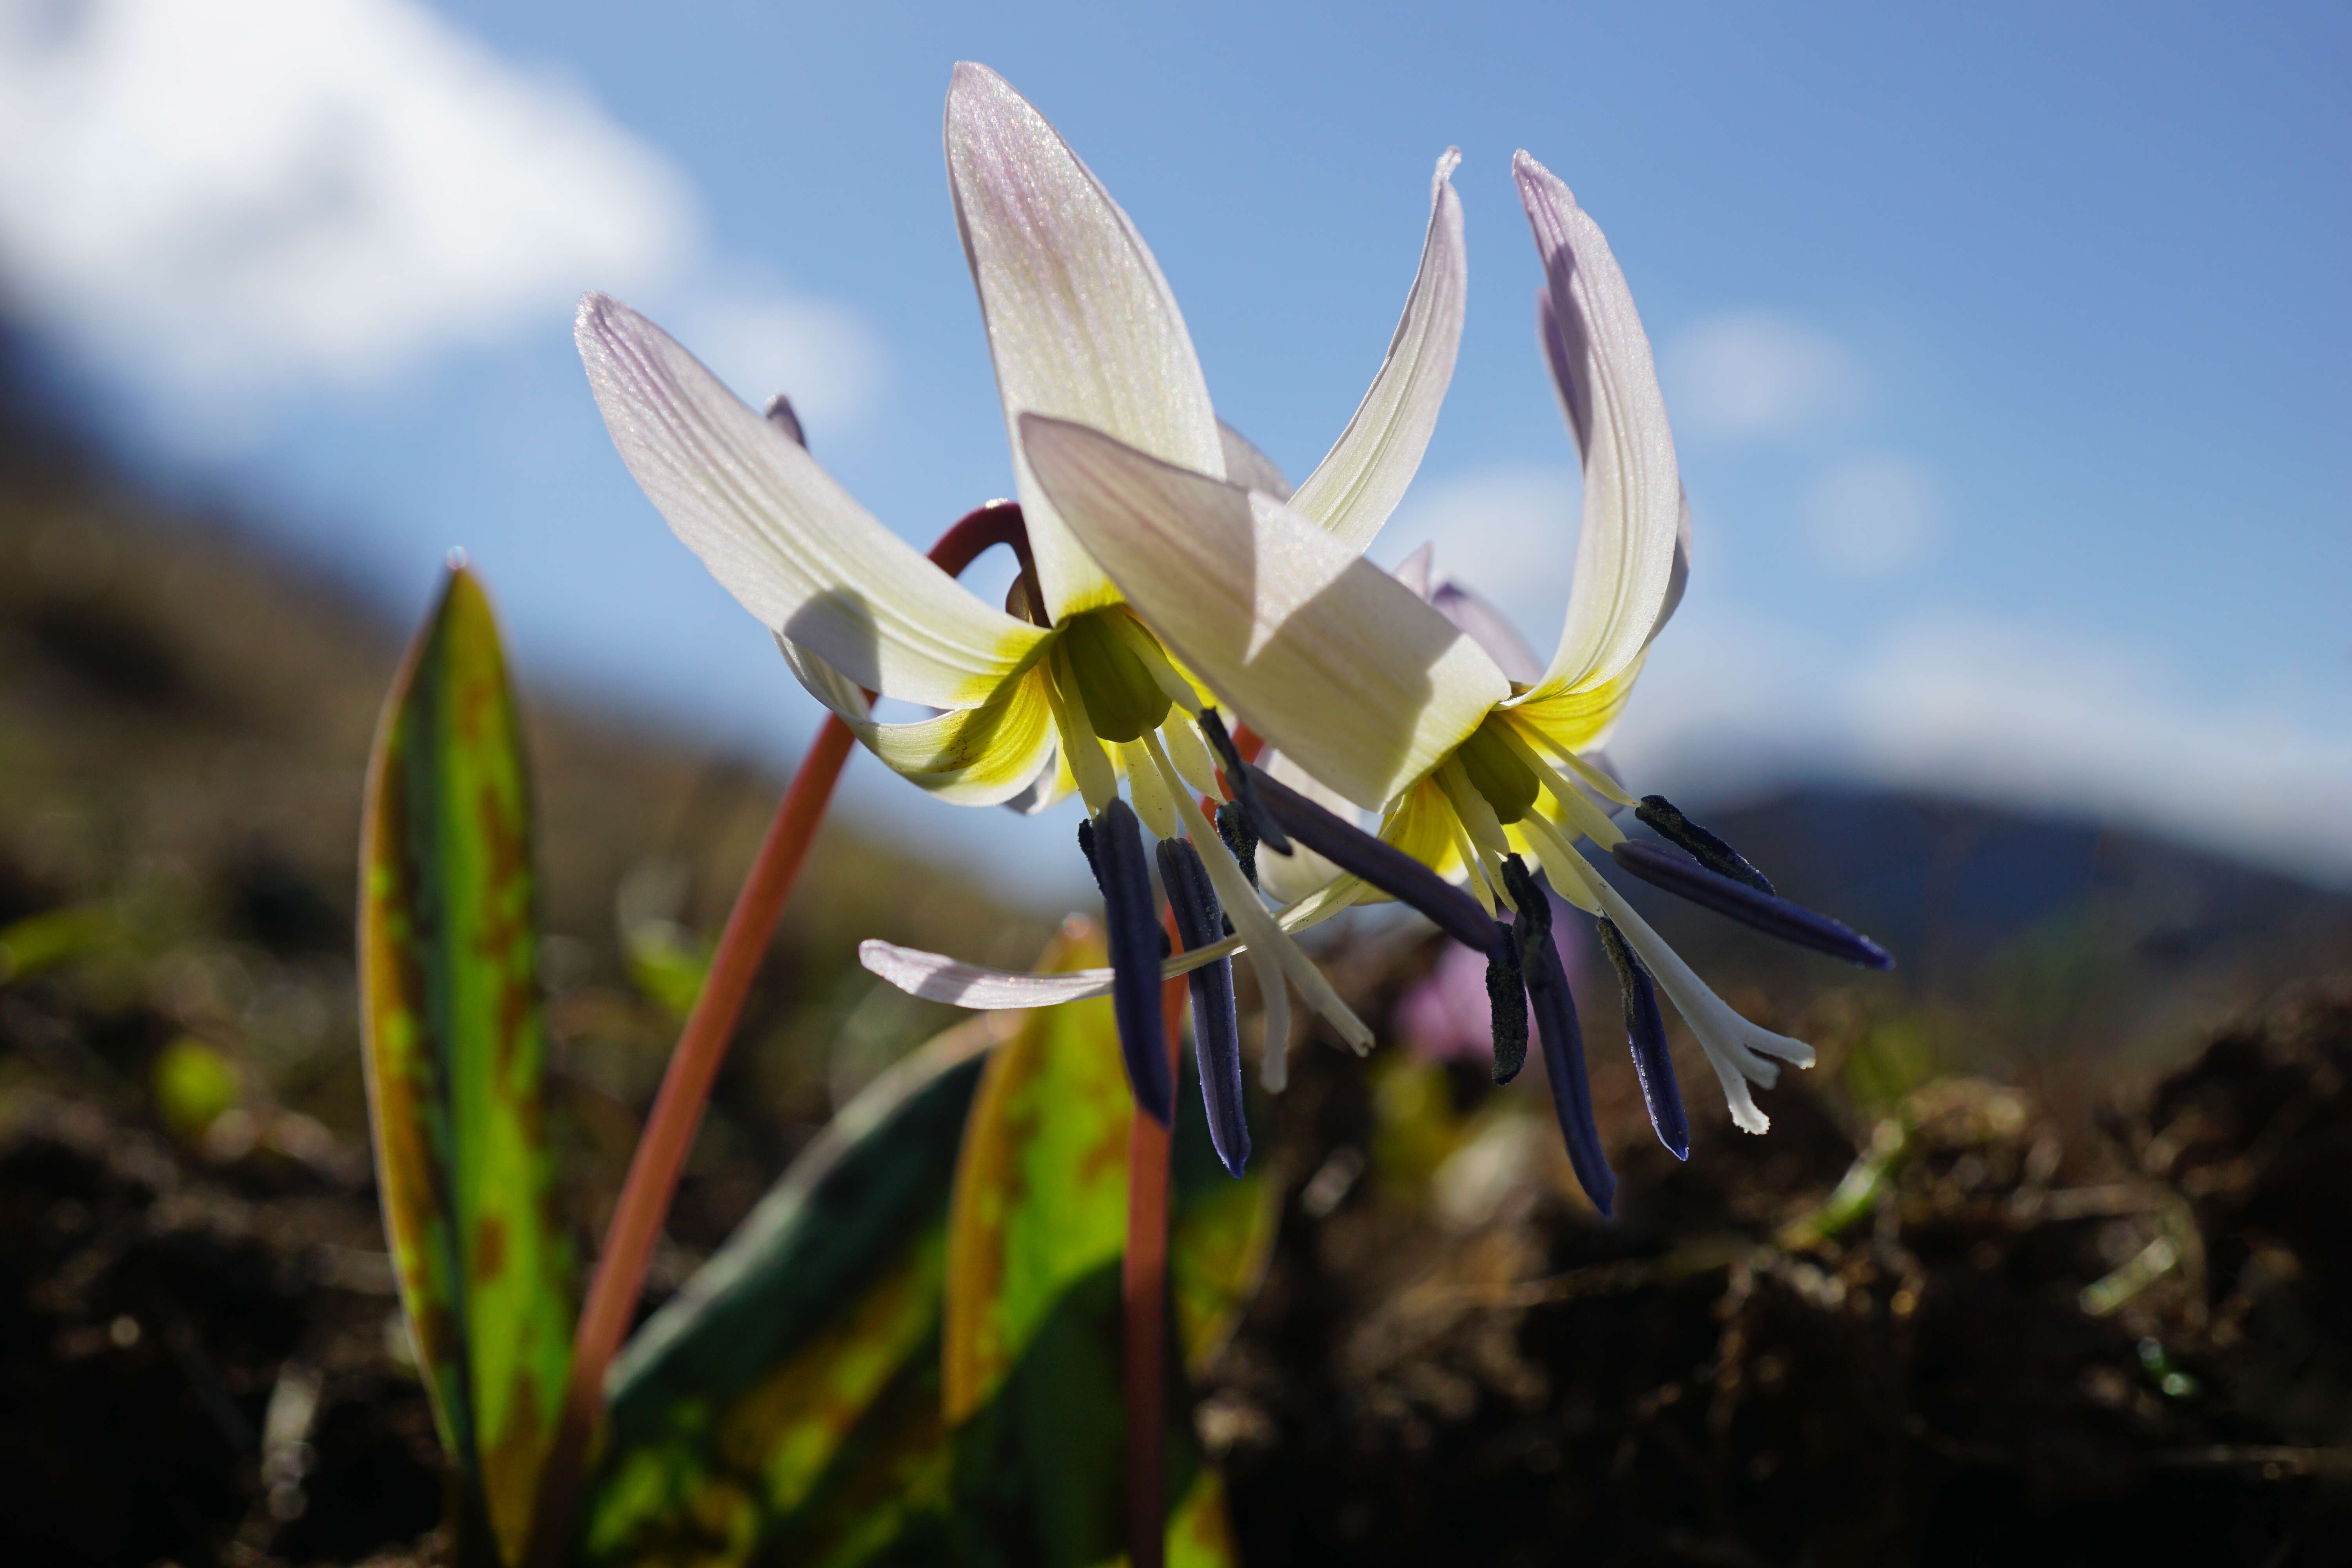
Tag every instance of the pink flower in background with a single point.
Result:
(1445, 1016)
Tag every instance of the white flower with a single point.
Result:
(1082, 327)
(1385, 699)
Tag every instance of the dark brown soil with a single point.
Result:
(201, 1361)
(1712, 1381)
(198, 1367)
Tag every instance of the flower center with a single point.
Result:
(1122, 699)
(1498, 770)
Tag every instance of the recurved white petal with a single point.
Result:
(1470, 610)
(936, 977)
(939, 978)
(1608, 386)
(1418, 571)
(824, 682)
(1474, 614)
(1679, 578)
(1334, 661)
(1360, 479)
(1246, 465)
(781, 534)
(1080, 322)
(1577, 719)
(981, 755)
(1054, 783)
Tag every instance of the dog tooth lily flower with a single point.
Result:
(1065, 688)
(1348, 671)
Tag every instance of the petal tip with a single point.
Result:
(977, 94)
(1538, 187)
(969, 76)
(594, 318)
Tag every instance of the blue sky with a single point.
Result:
(2005, 344)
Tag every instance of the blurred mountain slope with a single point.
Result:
(2022, 941)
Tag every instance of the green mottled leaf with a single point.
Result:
(1041, 1183)
(1032, 1352)
(1217, 1251)
(455, 1056)
(787, 1406)
(784, 1404)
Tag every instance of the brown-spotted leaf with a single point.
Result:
(1032, 1351)
(785, 1406)
(1041, 1182)
(455, 1056)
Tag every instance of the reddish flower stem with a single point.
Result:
(1143, 1296)
(669, 1137)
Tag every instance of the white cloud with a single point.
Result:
(225, 203)
(1752, 372)
(1993, 710)
(1872, 516)
(1508, 532)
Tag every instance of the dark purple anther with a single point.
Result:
(1666, 820)
(1133, 924)
(1564, 1042)
(1645, 1031)
(1775, 916)
(1241, 778)
(1216, 1031)
(1239, 831)
(1384, 865)
(1507, 998)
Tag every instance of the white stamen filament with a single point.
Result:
(1190, 752)
(1586, 817)
(1493, 865)
(1473, 869)
(1273, 1006)
(1097, 783)
(1341, 892)
(1143, 782)
(1476, 812)
(1190, 756)
(1572, 878)
(1254, 925)
(1600, 783)
(1732, 1044)
(1476, 817)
